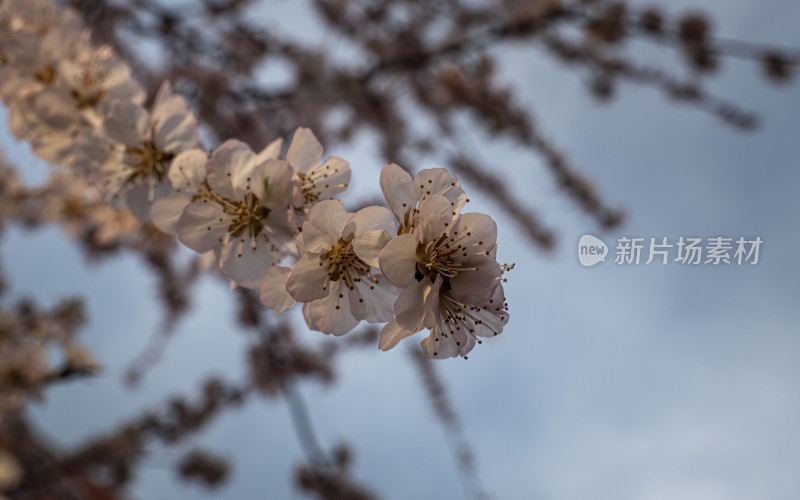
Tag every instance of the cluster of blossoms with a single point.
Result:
(270, 220)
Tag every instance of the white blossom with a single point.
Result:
(241, 210)
(318, 181)
(337, 276)
(145, 145)
(187, 175)
(273, 292)
(447, 264)
(455, 323)
(405, 194)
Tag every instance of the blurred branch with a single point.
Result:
(446, 54)
(686, 92)
(448, 418)
(304, 428)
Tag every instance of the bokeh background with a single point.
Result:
(639, 382)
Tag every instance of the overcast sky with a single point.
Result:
(643, 382)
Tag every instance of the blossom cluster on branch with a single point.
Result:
(269, 220)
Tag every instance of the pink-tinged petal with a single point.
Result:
(435, 218)
(137, 202)
(113, 174)
(478, 299)
(298, 244)
(369, 219)
(369, 245)
(166, 104)
(488, 318)
(372, 300)
(140, 196)
(432, 315)
(446, 341)
(328, 219)
(176, 132)
(411, 306)
(308, 280)
(438, 181)
(280, 229)
(325, 181)
(55, 147)
(163, 94)
(316, 240)
(188, 171)
(477, 282)
(90, 150)
(438, 347)
(273, 291)
(166, 212)
(477, 233)
(244, 264)
(271, 152)
(126, 123)
(200, 227)
(391, 334)
(331, 314)
(128, 90)
(398, 189)
(398, 260)
(229, 167)
(305, 151)
(274, 184)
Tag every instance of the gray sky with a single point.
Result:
(639, 382)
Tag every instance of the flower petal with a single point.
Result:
(440, 346)
(398, 189)
(166, 212)
(325, 181)
(140, 196)
(373, 300)
(432, 315)
(163, 94)
(369, 245)
(323, 227)
(331, 314)
(438, 181)
(188, 171)
(273, 291)
(411, 305)
(391, 334)
(308, 280)
(200, 227)
(435, 217)
(280, 229)
(176, 131)
(244, 264)
(126, 123)
(271, 152)
(274, 184)
(137, 201)
(305, 151)
(477, 232)
(229, 167)
(398, 260)
(477, 282)
(368, 219)
(489, 318)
